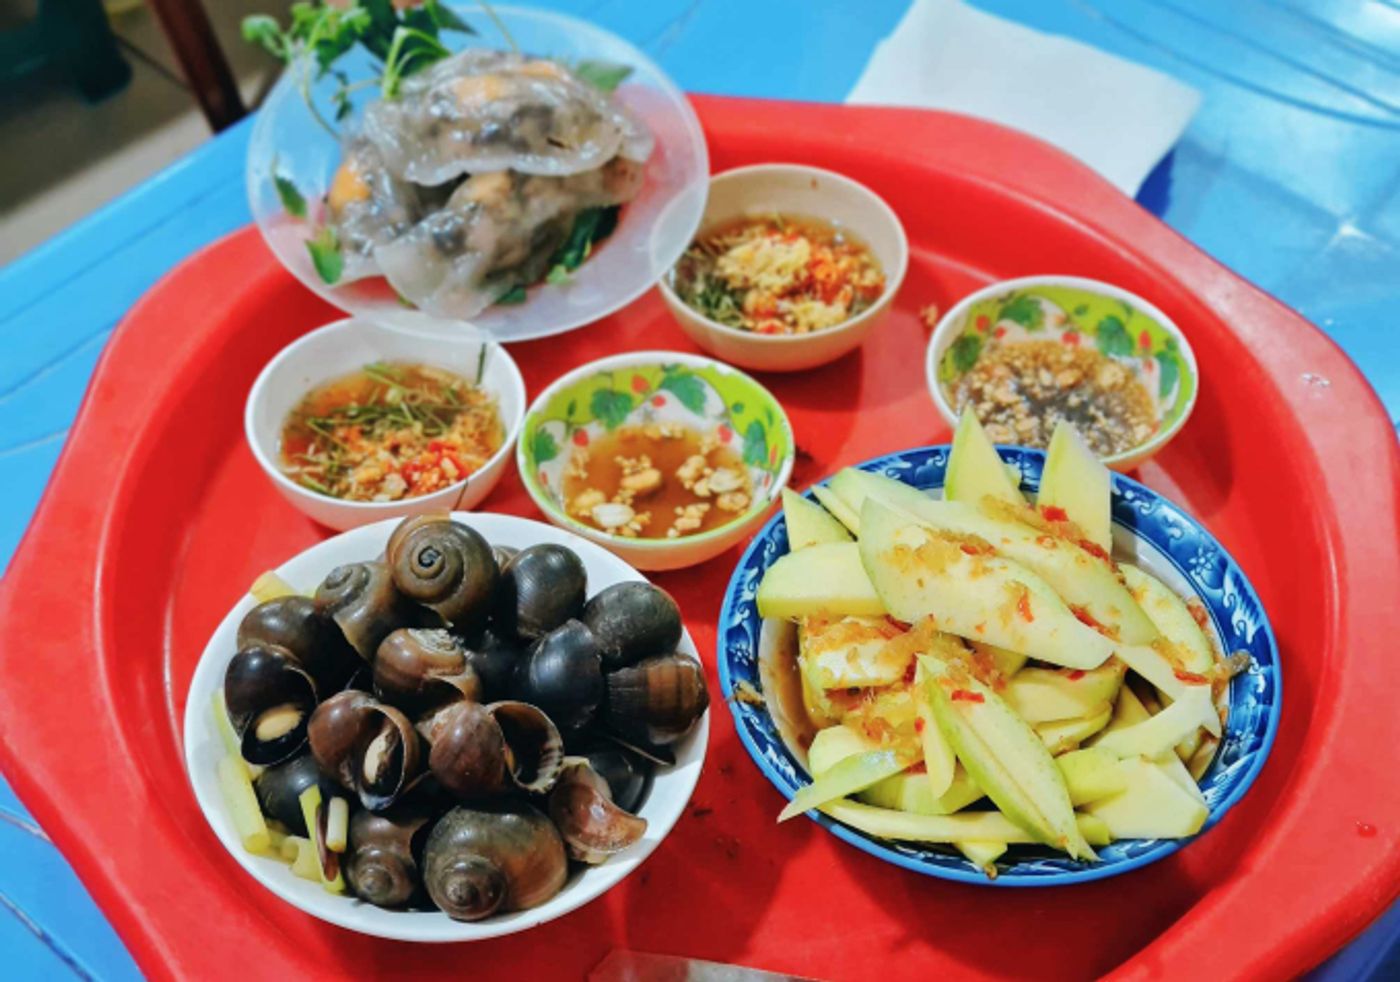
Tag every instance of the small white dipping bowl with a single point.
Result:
(346, 346)
(1073, 310)
(670, 789)
(800, 192)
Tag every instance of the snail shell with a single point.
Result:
(279, 790)
(293, 623)
(590, 823)
(370, 748)
(563, 675)
(382, 854)
(480, 751)
(541, 588)
(444, 565)
(657, 700)
(269, 698)
(493, 858)
(362, 600)
(493, 659)
(416, 669)
(632, 621)
(626, 773)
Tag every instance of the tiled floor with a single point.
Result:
(61, 157)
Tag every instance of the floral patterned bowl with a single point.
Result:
(656, 387)
(1074, 311)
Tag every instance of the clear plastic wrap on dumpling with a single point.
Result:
(498, 230)
(367, 206)
(481, 111)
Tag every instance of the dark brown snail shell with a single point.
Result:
(279, 790)
(657, 700)
(418, 668)
(632, 621)
(563, 675)
(627, 774)
(382, 856)
(367, 746)
(269, 698)
(541, 588)
(590, 823)
(481, 751)
(504, 554)
(493, 660)
(293, 623)
(362, 600)
(486, 859)
(444, 565)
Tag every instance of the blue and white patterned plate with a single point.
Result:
(1158, 536)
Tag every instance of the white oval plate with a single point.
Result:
(670, 791)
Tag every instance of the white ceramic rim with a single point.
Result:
(430, 342)
(434, 927)
(946, 325)
(892, 281)
(623, 360)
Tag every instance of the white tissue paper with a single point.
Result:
(1118, 117)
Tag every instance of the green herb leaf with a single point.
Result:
(292, 201)
(688, 389)
(1081, 310)
(737, 408)
(572, 408)
(1024, 310)
(515, 294)
(262, 30)
(965, 352)
(543, 447)
(558, 275)
(1170, 369)
(1112, 336)
(444, 18)
(325, 255)
(604, 75)
(610, 407)
(755, 445)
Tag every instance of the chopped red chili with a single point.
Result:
(919, 768)
(1023, 607)
(1054, 513)
(1076, 675)
(970, 549)
(1084, 617)
(909, 672)
(1190, 677)
(918, 724)
(1093, 549)
(963, 695)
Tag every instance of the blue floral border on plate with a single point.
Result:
(1234, 607)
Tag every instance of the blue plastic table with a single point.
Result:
(1290, 174)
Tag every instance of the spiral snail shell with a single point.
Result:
(444, 565)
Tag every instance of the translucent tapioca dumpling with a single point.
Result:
(368, 206)
(480, 111)
(498, 230)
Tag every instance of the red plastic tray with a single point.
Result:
(158, 518)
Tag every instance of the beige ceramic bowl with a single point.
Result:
(791, 189)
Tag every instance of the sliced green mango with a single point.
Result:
(1129, 711)
(833, 503)
(826, 580)
(1094, 829)
(846, 777)
(855, 485)
(809, 524)
(1151, 806)
(975, 471)
(910, 791)
(1157, 735)
(1003, 755)
(1090, 774)
(834, 744)
(1170, 615)
(852, 652)
(1007, 662)
(967, 826)
(1152, 665)
(1076, 481)
(983, 855)
(1045, 695)
(939, 760)
(1066, 734)
(918, 573)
